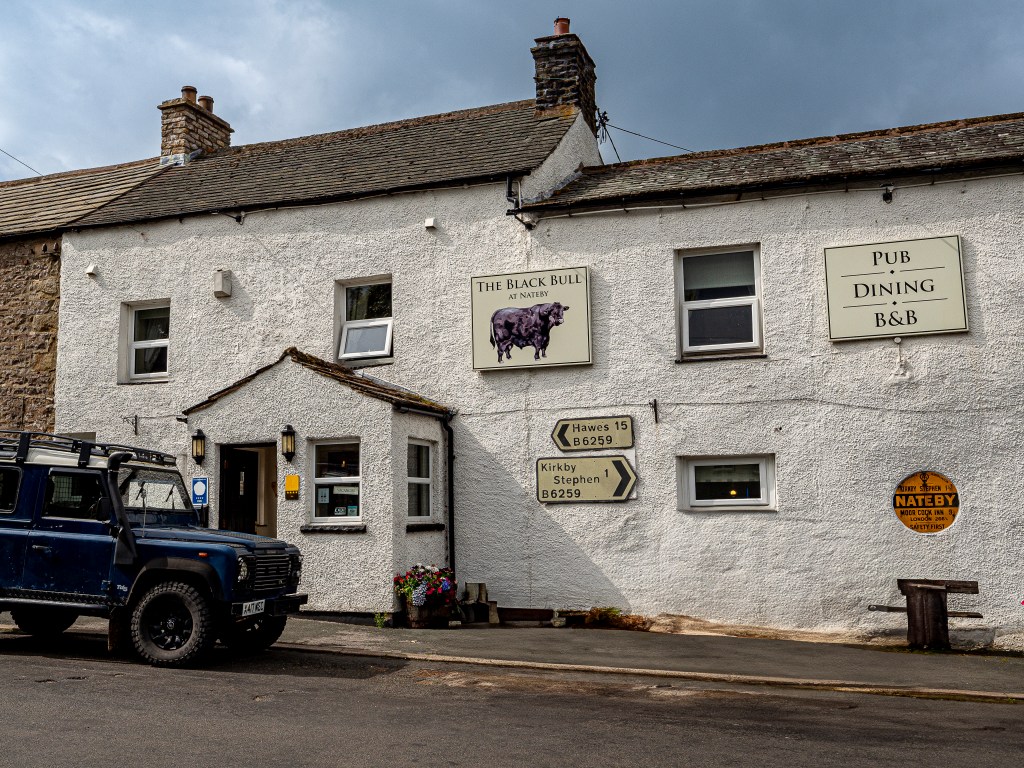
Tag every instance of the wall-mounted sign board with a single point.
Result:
(598, 432)
(926, 502)
(200, 491)
(902, 288)
(584, 479)
(531, 319)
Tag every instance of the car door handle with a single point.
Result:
(42, 550)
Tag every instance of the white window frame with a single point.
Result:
(326, 481)
(131, 345)
(754, 302)
(375, 322)
(343, 325)
(766, 472)
(427, 481)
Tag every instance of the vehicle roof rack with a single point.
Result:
(19, 443)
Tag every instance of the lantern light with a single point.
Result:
(288, 442)
(198, 446)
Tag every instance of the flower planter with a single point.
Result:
(427, 616)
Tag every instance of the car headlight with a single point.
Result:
(243, 570)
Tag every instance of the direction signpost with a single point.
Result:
(594, 433)
(584, 479)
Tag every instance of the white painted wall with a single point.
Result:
(845, 428)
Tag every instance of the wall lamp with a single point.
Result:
(198, 446)
(288, 443)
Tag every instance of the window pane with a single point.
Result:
(372, 339)
(721, 325)
(152, 324)
(419, 500)
(419, 460)
(718, 276)
(337, 500)
(8, 489)
(727, 481)
(337, 460)
(74, 496)
(152, 360)
(366, 302)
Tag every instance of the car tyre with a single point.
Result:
(254, 634)
(171, 625)
(43, 622)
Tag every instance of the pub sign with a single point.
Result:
(902, 288)
(531, 319)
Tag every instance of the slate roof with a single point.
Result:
(366, 385)
(976, 143)
(475, 144)
(50, 203)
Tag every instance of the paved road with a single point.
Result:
(68, 704)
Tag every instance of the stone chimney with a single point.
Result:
(565, 73)
(187, 127)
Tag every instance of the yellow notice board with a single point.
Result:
(926, 502)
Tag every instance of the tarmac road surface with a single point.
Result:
(69, 704)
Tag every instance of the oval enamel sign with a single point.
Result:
(926, 502)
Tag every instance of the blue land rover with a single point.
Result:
(90, 529)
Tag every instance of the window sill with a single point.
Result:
(321, 528)
(365, 362)
(710, 356)
(719, 510)
(417, 527)
(161, 380)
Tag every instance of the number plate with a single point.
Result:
(253, 608)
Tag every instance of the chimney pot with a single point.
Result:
(561, 26)
(206, 102)
(188, 93)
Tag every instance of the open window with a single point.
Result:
(367, 325)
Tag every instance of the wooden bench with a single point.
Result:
(927, 612)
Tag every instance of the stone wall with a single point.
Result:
(30, 275)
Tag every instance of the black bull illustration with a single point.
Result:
(527, 327)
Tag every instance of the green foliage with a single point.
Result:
(380, 620)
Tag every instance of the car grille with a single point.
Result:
(272, 571)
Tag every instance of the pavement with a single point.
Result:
(976, 676)
(709, 658)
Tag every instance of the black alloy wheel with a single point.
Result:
(171, 625)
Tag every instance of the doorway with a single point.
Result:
(248, 489)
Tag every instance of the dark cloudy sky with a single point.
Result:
(80, 80)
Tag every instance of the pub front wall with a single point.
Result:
(844, 421)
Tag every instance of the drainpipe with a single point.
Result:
(445, 419)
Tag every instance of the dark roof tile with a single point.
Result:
(429, 151)
(977, 142)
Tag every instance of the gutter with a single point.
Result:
(445, 420)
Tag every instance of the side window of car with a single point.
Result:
(73, 495)
(9, 481)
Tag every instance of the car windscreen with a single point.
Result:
(154, 497)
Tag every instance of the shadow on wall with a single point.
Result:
(510, 541)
